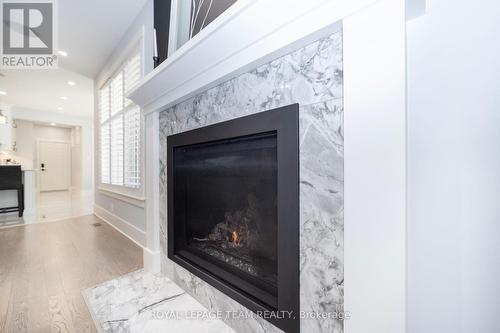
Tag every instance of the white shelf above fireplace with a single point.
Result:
(248, 34)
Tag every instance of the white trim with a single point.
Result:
(151, 260)
(375, 168)
(131, 199)
(128, 230)
(152, 184)
(220, 51)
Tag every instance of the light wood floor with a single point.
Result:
(44, 267)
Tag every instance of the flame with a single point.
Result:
(235, 238)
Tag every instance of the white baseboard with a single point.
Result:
(151, 261)
(128, 230)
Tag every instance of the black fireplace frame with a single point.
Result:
(285, 122)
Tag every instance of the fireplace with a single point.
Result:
(233, 206)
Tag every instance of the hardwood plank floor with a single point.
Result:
(45, 266)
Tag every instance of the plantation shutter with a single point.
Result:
(132, 125)
(132, 136)
(120, 132)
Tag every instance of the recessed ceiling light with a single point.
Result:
(3, 92)
(71, 83)
(62, 53)
(53, 124)
(64, 98)
(60, 108)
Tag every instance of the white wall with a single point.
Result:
(26, 135)
(5, 130)
(86, 125)
(126, 215)
(52, 133)
(454, 168)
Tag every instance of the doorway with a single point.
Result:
(54, 165)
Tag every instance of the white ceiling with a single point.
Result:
(88, 31)
(42, 90)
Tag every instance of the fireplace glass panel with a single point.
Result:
(225, 207)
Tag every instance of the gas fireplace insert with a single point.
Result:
(233, 210)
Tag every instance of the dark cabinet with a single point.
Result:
(11, 178)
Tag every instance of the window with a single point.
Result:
(120, 128)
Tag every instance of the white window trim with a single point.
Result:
(134, 196)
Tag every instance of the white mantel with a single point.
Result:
(248, 34)
(253, 32)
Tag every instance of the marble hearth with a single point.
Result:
(312, 77)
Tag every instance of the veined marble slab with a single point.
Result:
(147, 303)
(313, 77)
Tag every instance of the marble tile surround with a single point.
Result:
(311, 76)
(140, 302)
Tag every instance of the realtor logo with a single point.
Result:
(28, 34)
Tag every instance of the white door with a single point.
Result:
(54, 163)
